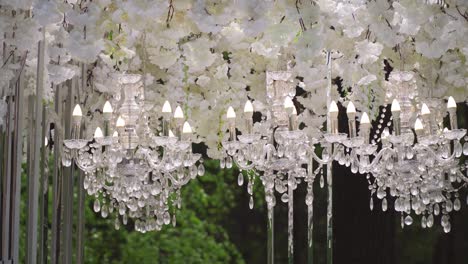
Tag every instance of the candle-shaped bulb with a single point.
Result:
(385, 133)
(333, 112)
(451, 104)
(116, 134)
(248, 113)
(120, 122)
(351, 113)
(230, 113)
(418, 125)
(248, 108)
(166, 107)
(351, 109)
(425, 110)
(77, 111)
(178, 113)
(107, 108)
(364, 119)
(452, 109)
(333, 107)
(98, 133)
(365, 127)
(171, 134)
(294, 111)
(288, 104)
(187, 129)
(395, 106)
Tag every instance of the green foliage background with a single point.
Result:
(201, 235)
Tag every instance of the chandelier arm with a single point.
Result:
(378, 157)
(236, 160)
(314, 156)
(176, 182)
(431, 151)
(464, 178)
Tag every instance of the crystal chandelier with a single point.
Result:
(419, 167)
(282, 154)
(128, 168)
(275, 149)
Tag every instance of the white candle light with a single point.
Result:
(107, 113)
(452, 109)
(333, 112)
(98, 133)
(171, 134)
(77, 111)
(186, 130)
(418, 127)
(167, 111)
(231, 117)
(77, 115)
(120, 122)
(179, 119)
(351, 113)
(167, 107)
(365, 127)
(107, 109)
(248, 115)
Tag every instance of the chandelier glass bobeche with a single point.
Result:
(131, 171)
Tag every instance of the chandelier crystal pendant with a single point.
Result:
(418, 164)
(130, 170)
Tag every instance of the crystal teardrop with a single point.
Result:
(97, 206)
(240, 179)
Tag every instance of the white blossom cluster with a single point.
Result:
(208, 54)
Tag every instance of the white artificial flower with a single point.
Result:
(368, 52)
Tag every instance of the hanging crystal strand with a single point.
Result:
(310, 211)
(310, 223)
(271, 233)
(329, 171)
(291, 182)
(250, 190)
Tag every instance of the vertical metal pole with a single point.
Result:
(43, 194)
(2, 179)
(56, 200)
(6, 170)
(6, 184)
(68, 182)
(329, 171)
(37, 144)
(81, 191)
(18, 159)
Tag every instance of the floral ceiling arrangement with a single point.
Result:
(211, 54)
(207, 55)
